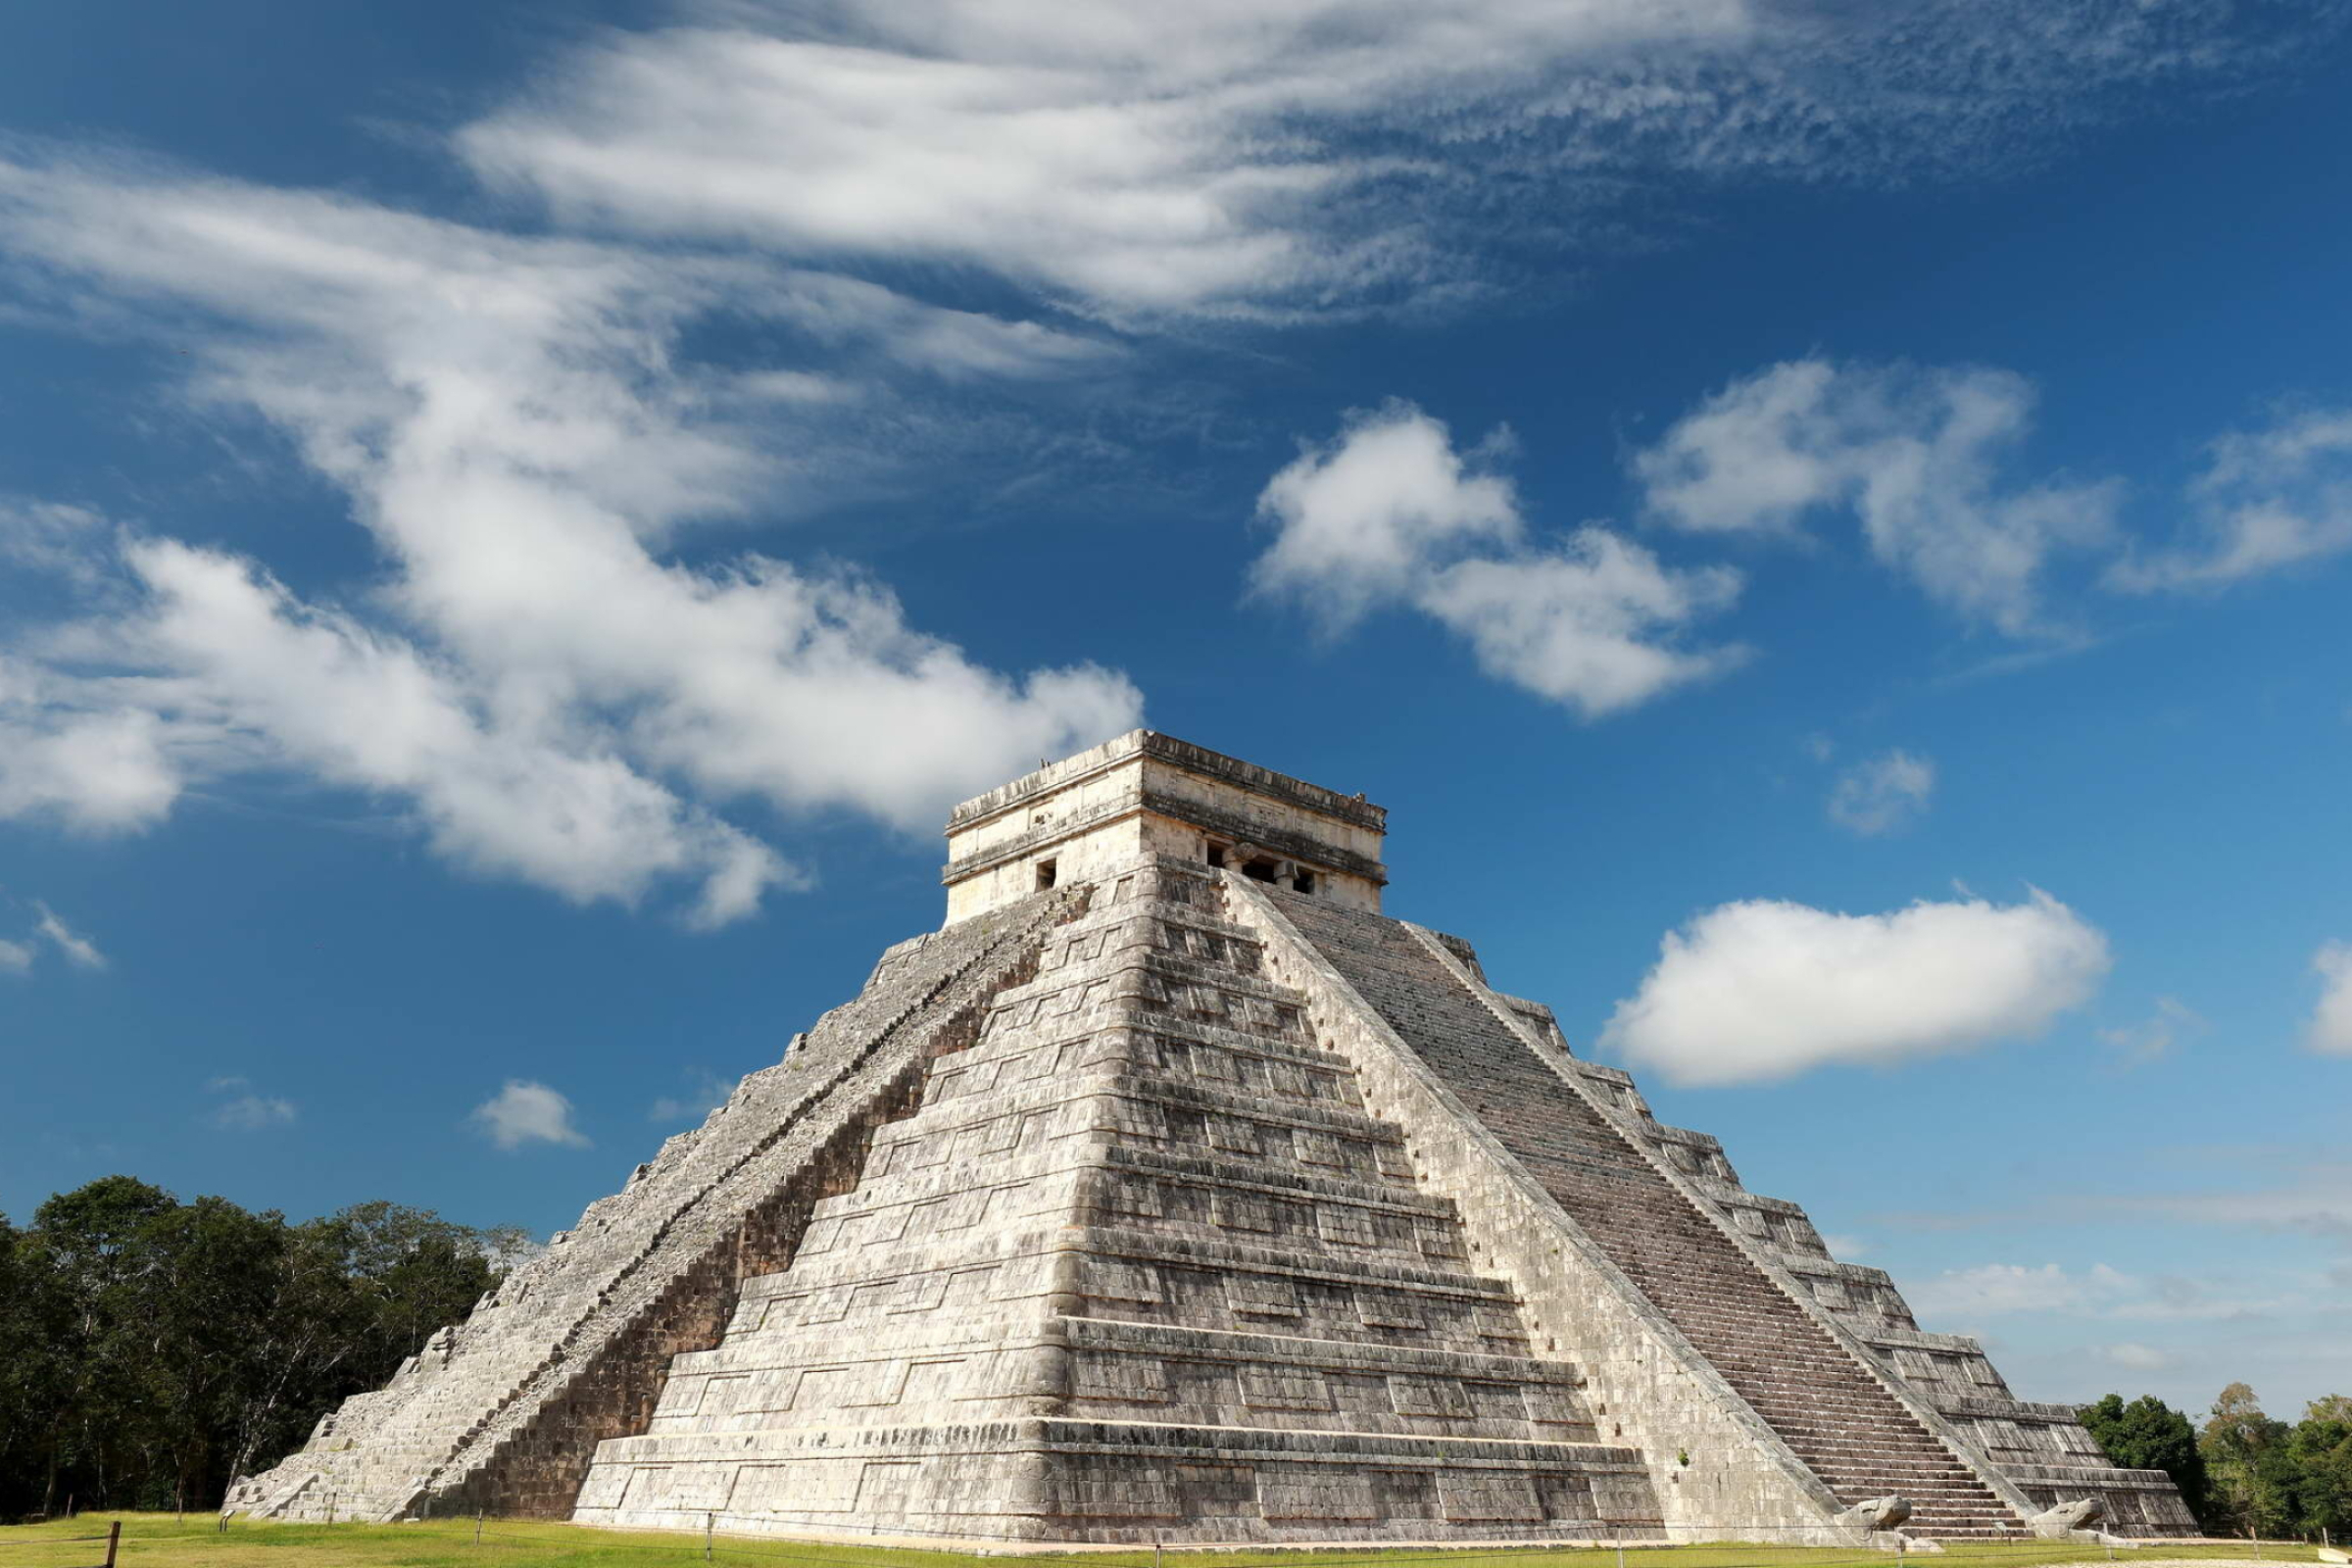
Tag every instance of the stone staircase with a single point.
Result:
(1833, 1413)
(1144, 1235)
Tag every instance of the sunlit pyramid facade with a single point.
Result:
(1173, 1192)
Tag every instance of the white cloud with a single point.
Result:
(1361, 521)
(78, 949)
(520, 426)
(2316, 1201)
(1295, 155)
(2268, 499)
(251, 1112)
(2135, 1358)
(2330, 1026)
(1761, 990)
(527, 1112)
(247, 1109)
(1912, 453)
(537, 685)
(1995, 1287)
(78, 752)
(1846, 1248)
(706, 1092)
(2136, 1045)
(1390, 515)
(1883, 793)
(2098, 1292)
(19, 957)
(47, 536)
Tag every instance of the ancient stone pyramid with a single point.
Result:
(1172, 1192)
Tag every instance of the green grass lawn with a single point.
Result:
(160, 1541)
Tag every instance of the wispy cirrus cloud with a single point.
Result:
(2252, 1189)
(2267, 500)
(704, 1093)
(2099, 1291)
(547, 694)
(1299, 156)
(49, 933)
(519, 421)
(245, 1108)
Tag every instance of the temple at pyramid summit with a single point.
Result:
(1173, 1192)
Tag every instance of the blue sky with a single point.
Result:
(1827, 526)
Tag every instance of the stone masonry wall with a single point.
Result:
(1648, 1387)
(1141, 1266)
(2041, 1450)
(484, 1415)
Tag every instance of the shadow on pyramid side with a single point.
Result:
(1173, 1193)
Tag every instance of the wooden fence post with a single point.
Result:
(113, 1539)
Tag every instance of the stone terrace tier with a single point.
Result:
(504, 1412)
(1141, 1266)
(1837, 1417)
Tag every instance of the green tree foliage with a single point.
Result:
(2321, 1448)
(152, 1350)
(2275, 1480)
(2151, 1435)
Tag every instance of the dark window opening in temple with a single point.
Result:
(1044, 876)
(1303, 882)
(1216, 854)
(1260, 869)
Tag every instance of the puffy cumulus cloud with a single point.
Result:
(1588, 623)
(1288, 155)
(15, 957)
(2267, 500)
(527, 1112)
(1880, 793)
(1913, 454)
(81, 753)
(1761, 990)
(1360, 521)
(1390, 515)
(539, 684)
(2330, 1026)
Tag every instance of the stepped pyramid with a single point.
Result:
(1171, 1192)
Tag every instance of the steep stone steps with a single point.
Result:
(1847, 1428)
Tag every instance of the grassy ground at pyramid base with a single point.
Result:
(163, 1541)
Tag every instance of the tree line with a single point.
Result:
(152, 1350)
(2244, 1473)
